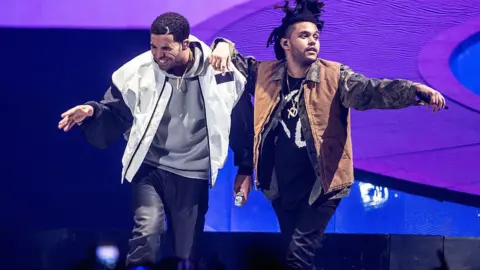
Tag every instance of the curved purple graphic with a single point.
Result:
(379, 39)
(92, 14)
(465, 63)
(412, 145)
(434, 63)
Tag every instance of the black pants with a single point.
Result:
(302, 228)
(158, 194)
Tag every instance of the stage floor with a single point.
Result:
(64, 248)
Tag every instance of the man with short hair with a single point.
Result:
(175, 110)
(302, 144)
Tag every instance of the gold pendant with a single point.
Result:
(292, 112)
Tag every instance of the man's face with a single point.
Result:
(165, 51)
(304, 43)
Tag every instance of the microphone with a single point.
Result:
(425, 99)
(239, 199)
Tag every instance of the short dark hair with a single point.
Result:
(171, 23)
(277, 48)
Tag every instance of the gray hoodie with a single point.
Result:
(180, 145)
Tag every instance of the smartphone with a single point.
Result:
(107, 255)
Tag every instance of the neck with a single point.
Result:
(295, 69)
(184, 64)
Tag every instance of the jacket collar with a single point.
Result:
(312, 74)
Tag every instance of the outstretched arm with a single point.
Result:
(224, 52)
(111, 118)
(362, 93)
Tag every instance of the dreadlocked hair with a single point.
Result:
(304, 11)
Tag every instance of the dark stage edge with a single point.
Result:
(64, 248)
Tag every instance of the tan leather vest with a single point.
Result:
(329, 119)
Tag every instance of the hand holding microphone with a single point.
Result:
(430, 97)
(241, 189)
(239, 199)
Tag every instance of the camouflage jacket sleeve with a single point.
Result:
(362, 93)
(247, 65)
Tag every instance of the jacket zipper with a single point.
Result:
(148, 125)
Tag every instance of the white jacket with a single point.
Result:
(140, 85)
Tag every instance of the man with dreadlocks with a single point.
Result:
(301, 123)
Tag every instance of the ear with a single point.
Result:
(284, 43)
(185, 44)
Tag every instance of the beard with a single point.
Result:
(301, 57)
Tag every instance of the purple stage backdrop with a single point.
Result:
(389, 39)
(378, 38)
(122, 14)
(384, 39)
